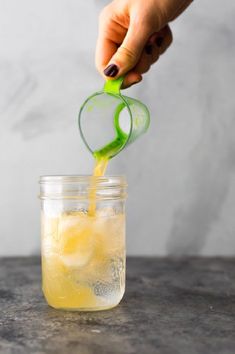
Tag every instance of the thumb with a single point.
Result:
(128, 54)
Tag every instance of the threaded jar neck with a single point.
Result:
(83, 187)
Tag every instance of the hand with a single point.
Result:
(132, 36)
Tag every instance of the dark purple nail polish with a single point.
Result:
(159, 41)
(111, 70)
(149, 49)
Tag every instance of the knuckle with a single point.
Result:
(143, 22)
(128, 53)
(168, 38)
(155, 58)
(145, 68)
(169, 35)
(156, 20)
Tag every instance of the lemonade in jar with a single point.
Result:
(83, 241)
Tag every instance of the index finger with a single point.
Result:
(105, 49)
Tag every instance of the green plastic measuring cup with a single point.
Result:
(109, 121)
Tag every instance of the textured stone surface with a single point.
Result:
(170, 306)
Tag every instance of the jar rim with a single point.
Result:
(112, 180)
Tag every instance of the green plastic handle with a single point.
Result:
(113, 86)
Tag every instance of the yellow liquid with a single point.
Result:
(83, 256)
(99, 171)
(100, 167)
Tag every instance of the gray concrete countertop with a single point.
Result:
(171, 306)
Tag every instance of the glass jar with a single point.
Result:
(83, 241)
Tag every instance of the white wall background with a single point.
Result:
(182, 192)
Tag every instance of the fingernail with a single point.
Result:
(111, 70)
(149, 49)
(159, 41)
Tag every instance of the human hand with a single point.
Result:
(132, 36)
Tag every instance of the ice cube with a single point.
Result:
(76, 240)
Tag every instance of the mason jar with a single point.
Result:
(83, 241)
